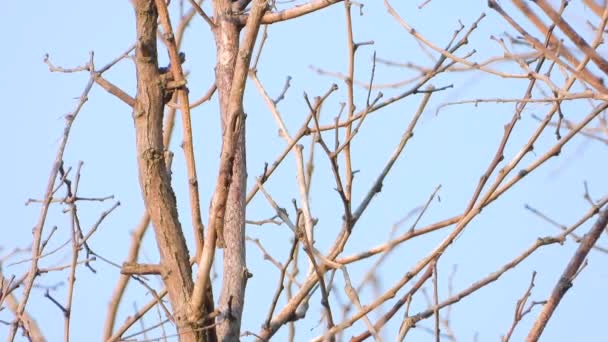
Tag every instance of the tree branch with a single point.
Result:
(155, 182)
(291, 13)
(565, 281)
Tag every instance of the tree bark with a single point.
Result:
(232, 296)
(232, 234)
(155, 183)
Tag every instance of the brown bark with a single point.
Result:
(227, 48)
(565, 281)
(233, 61)
(227, 213)
(232, 296)
(231, 232)
(153, 176)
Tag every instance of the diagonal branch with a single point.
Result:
(565, 281)
(291, 13)
(573, 35)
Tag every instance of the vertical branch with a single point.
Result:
(305, 204)
(75, 228)
(227, 214)
(157, 192)
(436, 301)
(182, 95)
(142, 227)
(226, 36)
(351, 105)
(235, 277)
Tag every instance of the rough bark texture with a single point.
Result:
(232, 296)
(233, 232)
(154, 180)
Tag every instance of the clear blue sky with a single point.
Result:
(451, 149)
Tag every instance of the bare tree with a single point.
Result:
(327, 268)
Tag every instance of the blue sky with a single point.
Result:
(451, 149)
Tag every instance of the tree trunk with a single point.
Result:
(153, 176)
(232, 236)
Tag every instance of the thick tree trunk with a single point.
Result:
(232, 296)
(232, 236)
(153, 176)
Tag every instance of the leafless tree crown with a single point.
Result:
(326, 263)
